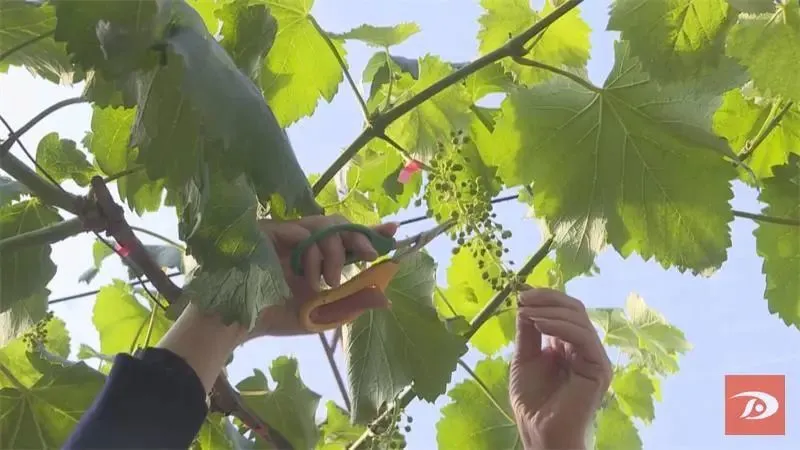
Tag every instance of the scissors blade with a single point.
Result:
(416, 242)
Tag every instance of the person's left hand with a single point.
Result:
(325, 259)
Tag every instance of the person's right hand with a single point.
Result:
(323, 260)
(556, 389)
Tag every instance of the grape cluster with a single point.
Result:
(38, 334)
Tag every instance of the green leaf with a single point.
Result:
(389, 349)
(22, 316)
(217, 115)
(11, 190)
(290, 408)
(644, 334)
(108, 141)
(14, 354)
(491, 79)
(353, 204)
(378, 70)
(634, 391)
(615, 430)
(753, 6)
(768, 45)
(420, 130)
(122, 321)
(44, 414)
(374, 172)
(565, 43)
(291, 84)
(61, 159)
(740, 120)
(212, 435)
(778, 244)
(674, 39)
(248, 32)
(633, 163)
(25, 271)
(22, 22)
(240, 274)
(336, 433)
(207, 10)
(472, 420)
(381, 36)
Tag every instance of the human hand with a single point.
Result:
(324, 259)
(556, 389)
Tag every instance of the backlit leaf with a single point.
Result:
(768, 44)
(634, 390)
(212, 435)
(248, 32)
(565, 43)
(381, 36)
(61, 159)
(375, 172)
(11, 190)
(207, 9)
(122, 321)
(353, 204)
(633, 163)
(22, 316)
(22, 22)
(289, 408)
(673, 39)
(26, 270)
(615, 430)
(387, 349)
(778, 244)
(753, 6)
(14, 355)
(44, 414)
(473, 420)
(739, 120)
(300, 67)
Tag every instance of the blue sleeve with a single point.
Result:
(153, 401)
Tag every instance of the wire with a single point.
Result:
(93, 292)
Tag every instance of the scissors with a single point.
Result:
(376, 276)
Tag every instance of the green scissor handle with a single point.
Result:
(382, 244)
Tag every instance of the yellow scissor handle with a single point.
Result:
(376, 276)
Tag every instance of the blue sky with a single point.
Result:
(725, 317)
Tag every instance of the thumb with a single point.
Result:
(529, 338)
(387, 229)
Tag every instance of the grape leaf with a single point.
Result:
(740, 120)
(108, 142)
(644, 334)
(778, 244)
(248, 32)
(239, 272)
(753, 6)
(43, 415)
(378, 69)
(615, 430)
(212, 435)
(14, 355)
(634, 390)
(491, 79)
(768, 45)
(11, 190)
(336, 433)
(472, 419)
(22, 316)
(111, 37)
(290, 408)
(61, 159)
(420, 130)
(374, 171)
(22, 22)
(389, 349)
(468, 292)
(380, 36)
(217, 114)
(122, 321)
(26, 270)
(633, 163)
(565, 43)
(207, 9)
(353, 204)
(300, 67)
(674, 39)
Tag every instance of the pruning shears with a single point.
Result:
(376, 276)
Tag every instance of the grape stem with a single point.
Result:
(485, 390)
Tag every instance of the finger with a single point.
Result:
(560, 313)
(333, 258)
(585, 341)
(287, 235)
(550, 297)
(387, 229)
(359, 245)
(529, 338)
(312, 263)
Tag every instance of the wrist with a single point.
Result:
(203, 341)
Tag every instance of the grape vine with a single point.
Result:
(188, 114)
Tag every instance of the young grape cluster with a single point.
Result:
(38, 334)
(459, 191)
